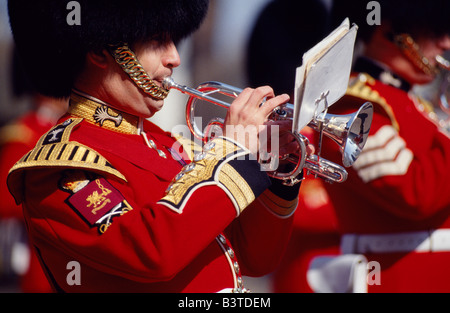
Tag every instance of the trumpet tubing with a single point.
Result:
(325, 169)
(348, 131)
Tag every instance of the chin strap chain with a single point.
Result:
(131, 65)
(412, 51)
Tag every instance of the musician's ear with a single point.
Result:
(386, 30)
(99, 58)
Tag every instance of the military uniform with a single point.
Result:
(140, 213)
(394, 208)
(314, 235)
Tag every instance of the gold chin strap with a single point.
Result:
(412, 51)
(131, 65)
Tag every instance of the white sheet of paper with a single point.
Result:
(326, 69)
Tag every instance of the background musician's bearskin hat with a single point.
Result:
(293, 27)
(414, 17)
(53, 51)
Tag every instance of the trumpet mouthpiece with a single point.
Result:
(168, 83)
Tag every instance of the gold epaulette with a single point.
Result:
(190, 147)
(211, 167)
(54, 149)
(360, 87)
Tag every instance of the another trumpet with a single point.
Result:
(442, 63)
(444, 87)
(350, 132)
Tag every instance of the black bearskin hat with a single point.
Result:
(413, 17)
(53, 51)
(293, 27)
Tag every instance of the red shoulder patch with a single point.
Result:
(95, 200)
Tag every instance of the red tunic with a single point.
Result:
(314, 235)
(398, 187)
(136, 221)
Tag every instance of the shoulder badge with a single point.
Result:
(213, 166)
(55, 149)
(360, 87)
(93, 198)
(189, 146)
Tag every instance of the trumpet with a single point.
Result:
(444, 64)
(350, 132)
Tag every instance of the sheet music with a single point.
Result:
(325, 69)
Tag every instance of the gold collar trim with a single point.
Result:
(98, 112)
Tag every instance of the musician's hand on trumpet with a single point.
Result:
(247, 119)
(288, 144)
(248, 113)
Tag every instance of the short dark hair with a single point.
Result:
(53, 52)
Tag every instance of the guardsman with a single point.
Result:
(112, 202)
(394, 208)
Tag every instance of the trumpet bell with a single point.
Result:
(350, 132)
